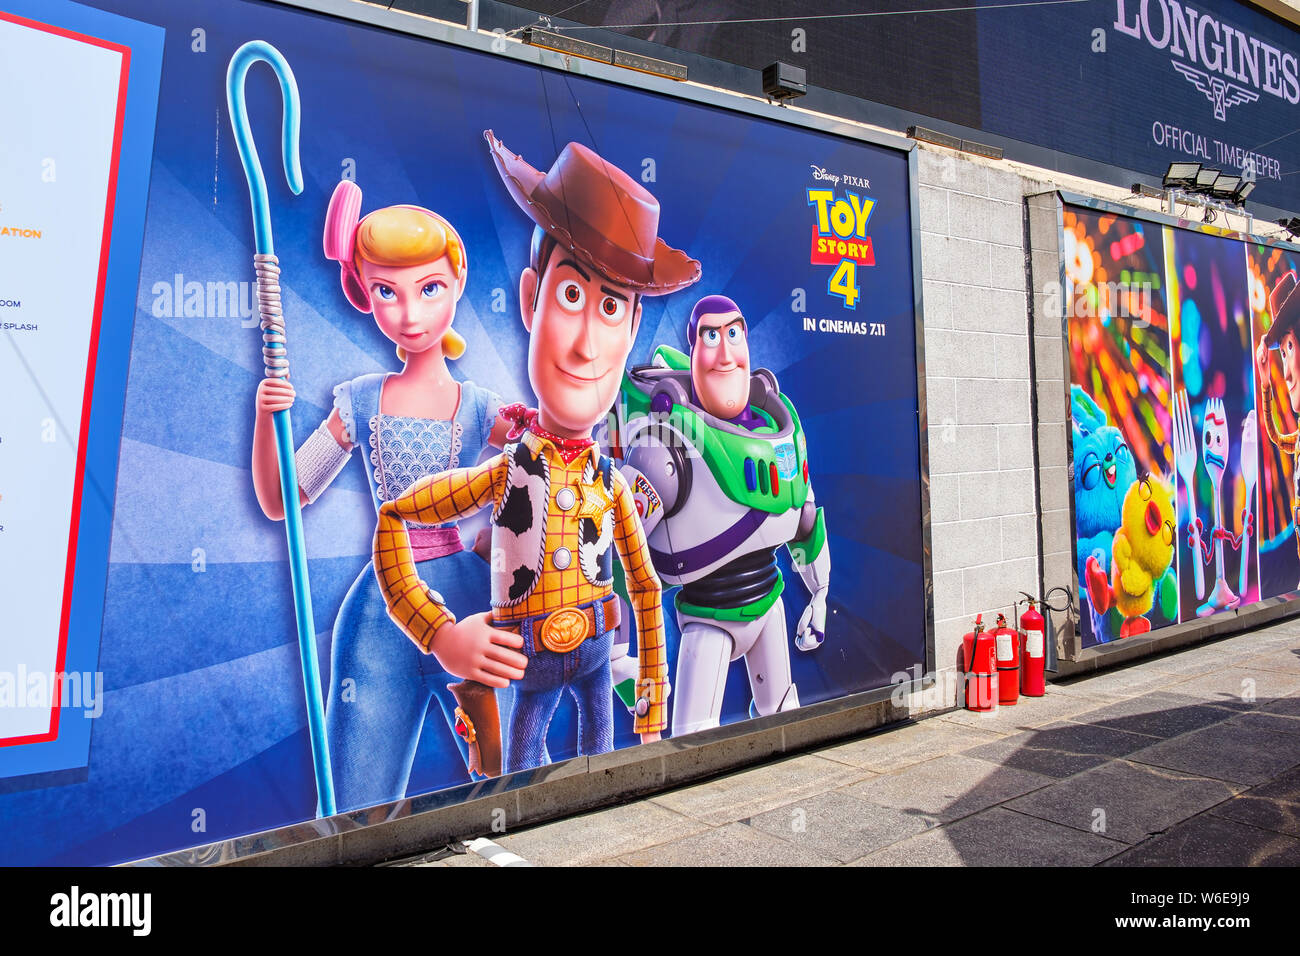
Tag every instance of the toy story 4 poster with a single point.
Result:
(584, 443)
(1184, 396)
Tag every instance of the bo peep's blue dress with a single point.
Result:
(374, 722)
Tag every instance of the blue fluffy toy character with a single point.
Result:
(1103, 473)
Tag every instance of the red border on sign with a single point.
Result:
(92, 354)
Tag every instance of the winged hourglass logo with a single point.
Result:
(1218, 92)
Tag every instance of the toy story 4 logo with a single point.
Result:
(839, 236)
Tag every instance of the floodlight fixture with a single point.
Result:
(1206, 179)
(1225, 187)
(1181, 175)
(923, 135)
(649, 64)
(570, 46)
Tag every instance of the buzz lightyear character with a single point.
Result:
(717, 464)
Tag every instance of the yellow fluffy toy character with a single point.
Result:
(1142, 553)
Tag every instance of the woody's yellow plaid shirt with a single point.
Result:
(454, 494)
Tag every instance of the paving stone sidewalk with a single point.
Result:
(1190, 759)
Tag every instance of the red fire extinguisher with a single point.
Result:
(1008, 649)
(979, 661)
(1033, 651)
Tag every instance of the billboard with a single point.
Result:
(598, 410)
(1135, 84)
(1182, 421)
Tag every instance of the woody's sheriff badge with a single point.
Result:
(593, 502)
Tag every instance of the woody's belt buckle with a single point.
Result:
(564, 630)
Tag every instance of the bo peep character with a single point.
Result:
(407, 267)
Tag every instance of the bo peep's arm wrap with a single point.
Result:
(321, 457)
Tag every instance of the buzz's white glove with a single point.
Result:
(811, 631)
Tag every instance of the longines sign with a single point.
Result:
(1229, 66)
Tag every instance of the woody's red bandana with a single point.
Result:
(524, 419)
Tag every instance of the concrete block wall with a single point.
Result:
(984, 523)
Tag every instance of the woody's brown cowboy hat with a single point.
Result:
(602, 215)
(1284, 304)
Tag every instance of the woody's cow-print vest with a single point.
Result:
(519, 527)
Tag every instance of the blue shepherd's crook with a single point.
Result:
(277, 366)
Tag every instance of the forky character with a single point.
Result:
(1215, 449)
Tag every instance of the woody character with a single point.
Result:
(558, 505)
(1284, 304)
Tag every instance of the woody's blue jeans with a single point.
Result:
(584, 673)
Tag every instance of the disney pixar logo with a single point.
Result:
(1214, 57)
(820, 174)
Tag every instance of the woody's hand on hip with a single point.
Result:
(473, 649)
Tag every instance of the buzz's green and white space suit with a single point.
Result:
(717, 499)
